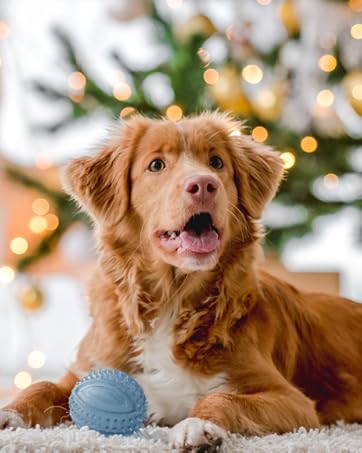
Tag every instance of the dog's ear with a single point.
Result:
(258, 172)
(100, 183)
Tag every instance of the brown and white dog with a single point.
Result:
(178, 300)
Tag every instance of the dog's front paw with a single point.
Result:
(196, 434)
(10, 419)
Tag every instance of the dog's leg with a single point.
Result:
(44, 403)
(255, 414)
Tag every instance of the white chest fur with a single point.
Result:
(171, 390)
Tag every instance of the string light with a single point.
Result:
(327, 63)
(355, 5)
(38, 224)
(126, 111)
(122, 91)
(309, 144)
(259, 134)
(36, 359)
(235, 133)
(288, 159)
(357, 92)
(40, 206)
(4, 30)
(174, 3)
(77, 81)
(356, 31)
(76, 97)
(211, 76)
(174, 112)
(19, 245)
(266, 98)
(7, 274)
(52, 222)
(264, 2)
(331, 181)
(325, 98)
(252, 73)
(22, 380)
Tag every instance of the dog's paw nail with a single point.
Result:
(194, 432)
(9, 419)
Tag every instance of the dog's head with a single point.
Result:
(188, 188)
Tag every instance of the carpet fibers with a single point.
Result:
(339, 438)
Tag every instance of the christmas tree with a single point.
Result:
(295, 78)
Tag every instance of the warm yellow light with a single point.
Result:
(235, 133)
(43, 161)
(211, 76)
(36, 359)
(331, 181)
(355, 5)
(4, 30)
(122, 91)
(264, 2)
(126, 111)
(7, 274)
(174, 3)
(252, 73)
(327, 63)
(325, 98)
(288, 159)
(266, 98)
(356, 31)
(22, 380)
(52, 221)
(357, 92)
(19, 245)
(259, 134)
(174, 113)
(38, 224)
(308, 144)
(40, 206)
(76, 97)
(77, 81)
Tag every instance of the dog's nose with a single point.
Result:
(201, 189)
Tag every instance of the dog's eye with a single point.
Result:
(157, 165)
(216, 162)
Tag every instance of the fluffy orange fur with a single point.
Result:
(291, 358)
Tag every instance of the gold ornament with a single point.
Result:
(228, 93)
(352, 85)
(268, 102)
(289, 17)
(31, 298)
(195, 25)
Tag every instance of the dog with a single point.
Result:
(179, 302)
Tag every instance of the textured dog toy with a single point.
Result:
(108, 401)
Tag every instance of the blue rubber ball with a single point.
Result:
(108, 401)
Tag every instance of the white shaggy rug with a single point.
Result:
(340, 438)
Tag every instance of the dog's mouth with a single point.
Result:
(199, 235)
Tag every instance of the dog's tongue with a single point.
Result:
(206, 242)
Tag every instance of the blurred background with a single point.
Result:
(291, 68)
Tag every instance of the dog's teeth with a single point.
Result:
(173, 235)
